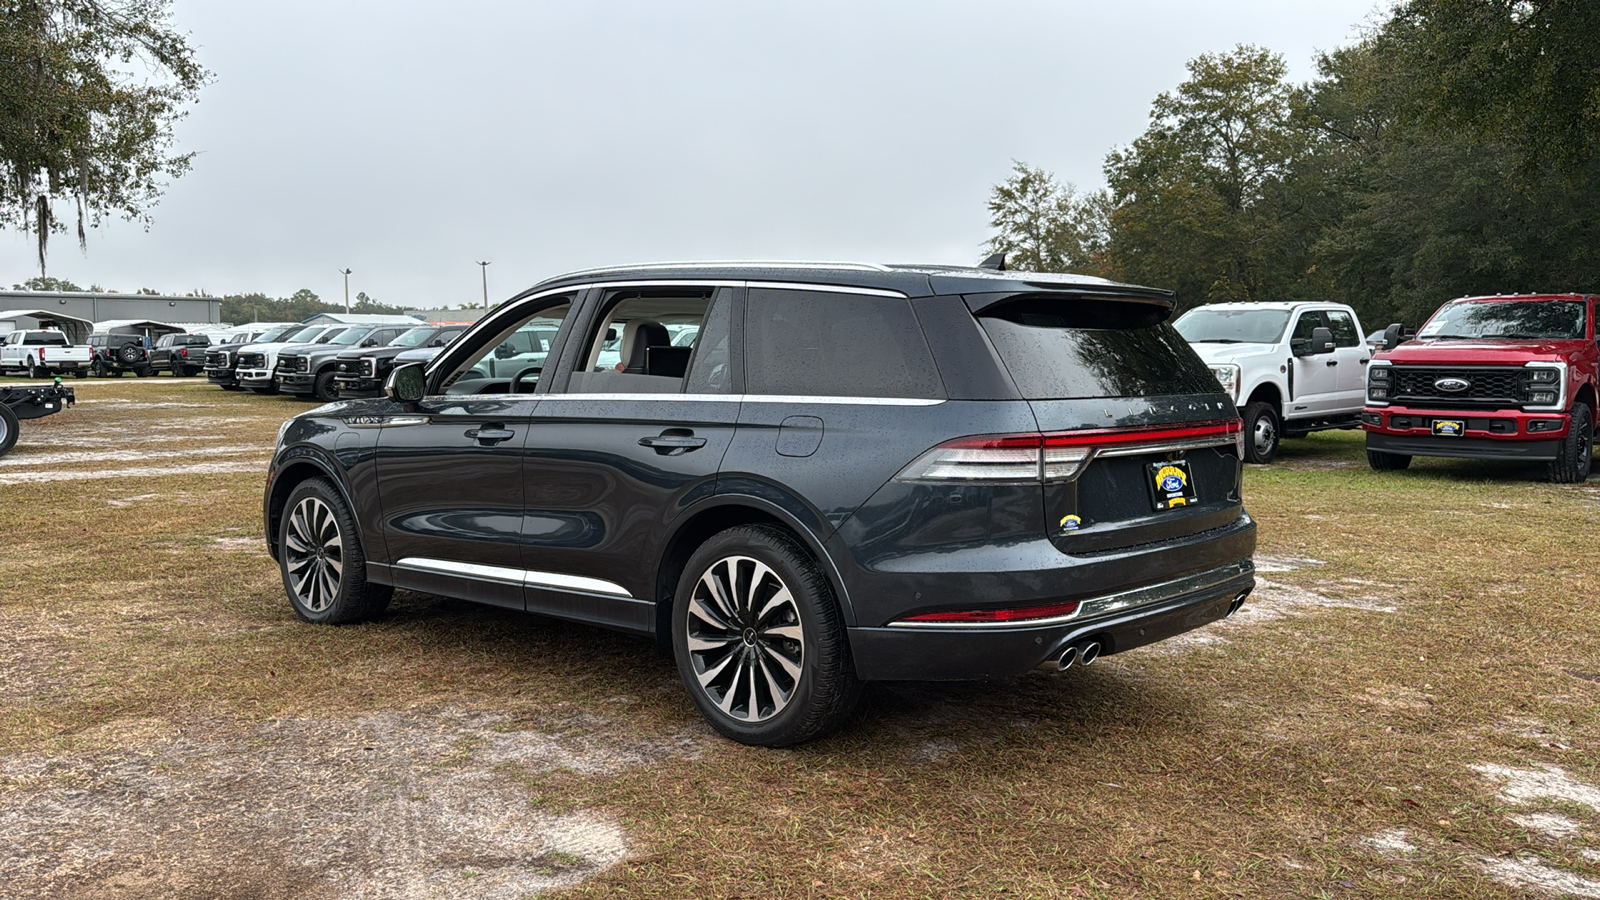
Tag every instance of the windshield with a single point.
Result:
(1232, 326)
(349, 336)
(1507, 319)
(329, 335)
(414, 337)
(281, 332)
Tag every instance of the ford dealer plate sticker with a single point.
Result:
(1170, 484)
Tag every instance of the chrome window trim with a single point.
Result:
(504, 574)
(1095, 607)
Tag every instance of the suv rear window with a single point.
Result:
(825, 344)
(1062, 348)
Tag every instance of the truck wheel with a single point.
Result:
(1575, 451)
(79, 372)
(320, 557)
(759, 640)
(144, 371)
(37, 371)
(1388, 462)
(1260, 432)
(128, 353)
(8, 429)
(323, 388)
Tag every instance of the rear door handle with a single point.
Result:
(673, 442)
(489, 435)
(1333, 362)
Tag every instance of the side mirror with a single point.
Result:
(1393, 336)
(369, 342)
(1321, 341)
(405, 384)
(437, 342)
(611, 335)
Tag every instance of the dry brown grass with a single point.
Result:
(1323, 743)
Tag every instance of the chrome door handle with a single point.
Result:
(489, 435)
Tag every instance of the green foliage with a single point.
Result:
(1451, 151)
(1043, 226)
(367, 305)
(89, 93)
(301, 305)
(42, 283)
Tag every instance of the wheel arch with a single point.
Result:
(290, 475)
(1586, 396)
(719, 513)
(1267, 392)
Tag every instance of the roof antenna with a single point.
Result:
(995, 261)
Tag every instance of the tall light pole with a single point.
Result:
(484, 266)
(346, 274)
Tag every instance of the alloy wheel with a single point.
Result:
(745, 640)
(314, 554)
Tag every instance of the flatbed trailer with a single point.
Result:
(27, 401)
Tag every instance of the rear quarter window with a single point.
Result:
(825, 344)
(1063, 348)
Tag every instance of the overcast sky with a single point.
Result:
(408, 140)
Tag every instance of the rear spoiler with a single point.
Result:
(1098, 306)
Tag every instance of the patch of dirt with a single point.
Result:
(250, 465)
(1530, 872)
(1267, 562)
(26, 458)
(1550, 825)
(1526, 786)
(391, 805)
(1394, 842)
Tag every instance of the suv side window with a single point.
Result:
(1345, 333)
(826, 344)
(497, 362)
(630, 350)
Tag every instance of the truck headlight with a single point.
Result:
(1228, 377)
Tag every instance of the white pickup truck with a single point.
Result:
(42, 353)
(1292, 368)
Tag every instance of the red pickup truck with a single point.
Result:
(1503, 377)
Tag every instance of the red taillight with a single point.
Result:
(977, 616)
(1056, 455)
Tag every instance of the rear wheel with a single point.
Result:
(8, 429)
(1388, 462)
(128, 353)
(759, 640)
(1575, 452)
(1260, 432)
(321, 559)
(37, 371)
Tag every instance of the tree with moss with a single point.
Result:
(89, 93)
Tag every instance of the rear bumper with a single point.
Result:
(1119, 621)
(1488, 434)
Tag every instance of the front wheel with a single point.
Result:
(1260, 432)
(1575, 452)
(1388, 462)
(759, 639)
(321, 560)
(323, 388)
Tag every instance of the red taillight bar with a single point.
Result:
(1138, 434)
(980, 616)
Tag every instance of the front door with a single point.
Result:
(1315, 388)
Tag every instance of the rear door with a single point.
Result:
(617, 450)
(1352, 356)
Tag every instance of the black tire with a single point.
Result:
(1388, 462)
(97, 368)
(323, 387)
(79, 372)
(1575, 452)
(129, 353)
(320, 557)
(144, 371)
(230, 387)
(114, 373)
(1261, 432)
(37, 371)
(798, 647)
(9, 429)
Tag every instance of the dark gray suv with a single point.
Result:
(852, 472)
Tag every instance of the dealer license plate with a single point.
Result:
(1171, 485)
(1449, 427)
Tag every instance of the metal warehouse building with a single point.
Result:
(98, 307)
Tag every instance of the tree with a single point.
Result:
(89, 93)
(1043, 226)
(41, 283)
(1201, 200)
(1521, 71)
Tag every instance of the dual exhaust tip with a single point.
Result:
(1085, 652)
(1080, 654)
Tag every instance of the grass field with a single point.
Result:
(1407, 707)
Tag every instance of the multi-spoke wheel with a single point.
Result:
(319, 553)
(759, 640)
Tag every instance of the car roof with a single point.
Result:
(1282, 305)
(912, 280)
